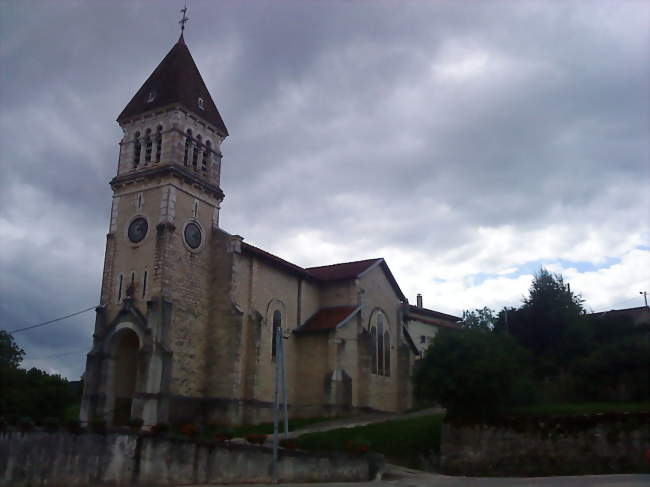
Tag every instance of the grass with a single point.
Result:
(401, 441)
(582, 408)
(267, 428)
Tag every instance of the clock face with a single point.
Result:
(138, 230)
(193, 235)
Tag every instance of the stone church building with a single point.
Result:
(188, 311)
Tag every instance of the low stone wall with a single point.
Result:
(569, 445)
(63, 459)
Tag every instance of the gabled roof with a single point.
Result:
(274, 259)
(416, 311)
(346, 270)
(636, 314)
(326, 319)
(175, 80)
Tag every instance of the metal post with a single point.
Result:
(284, 389)
(276, 408)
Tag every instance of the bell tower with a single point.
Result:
(165, 209)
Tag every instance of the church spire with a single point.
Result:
(183, 21)
(176, 81)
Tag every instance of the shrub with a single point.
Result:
(188, 430)
(25, 424)
(160, 429)
(357, 445)
(256, 439)
(289, 443)
(474, 373)
(135, 423)
(98, 426)
(4, 424)
(51, 425)
(74, 426)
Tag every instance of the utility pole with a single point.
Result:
(645, 297)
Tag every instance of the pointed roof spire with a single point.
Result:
(175, 80)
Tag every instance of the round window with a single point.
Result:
(138, 229)
(193, 235)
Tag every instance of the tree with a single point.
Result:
(542, 321)
(473, 372)
(11, 355)
(479, 318)
(33, 392)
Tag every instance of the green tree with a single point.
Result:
(473, 372)
(479, 318)
(542, 321)
(11, 355)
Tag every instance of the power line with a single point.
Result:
(81, 350)
(51, 321)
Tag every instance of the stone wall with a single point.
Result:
(570, 445)
(63, 459)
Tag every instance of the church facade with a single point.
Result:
(184, 331)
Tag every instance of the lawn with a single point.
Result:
(401, 441)
(583, 408)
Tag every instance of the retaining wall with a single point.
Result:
(569, 445)
(63, 459)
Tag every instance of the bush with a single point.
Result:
(256, 439)
(289, 443)
(160, 429)
(25, 424)
(474, 373)
(51, 425)
(135, 423)
(98, 426)
(74, 426)
(188, 430)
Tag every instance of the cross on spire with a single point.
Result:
(184, 19)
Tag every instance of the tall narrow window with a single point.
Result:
(373, 350)
(139, 202)
(158, 143)
(206, 157)
(195, 209)
(144, 284)
(387, 353)
(119, 288)
(137, 148)
(148, 145)
(277, 323)
(188, 144)
(380, 345)
(195, 152)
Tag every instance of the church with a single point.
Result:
(184, 331)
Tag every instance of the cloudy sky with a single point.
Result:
(468, 143)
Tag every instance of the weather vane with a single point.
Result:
(184, 18)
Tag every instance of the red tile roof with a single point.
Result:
(346, 270)
(326, 319)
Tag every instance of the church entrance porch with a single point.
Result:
(124, 353)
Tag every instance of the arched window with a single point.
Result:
(380, 344)
(206, 157)
(188, 144)
(158, 142)
(147, 147)
(137, 148)
(277, 323)
(195, 152)
(387, 353)
(373, 350)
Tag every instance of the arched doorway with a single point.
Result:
(125, 352)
